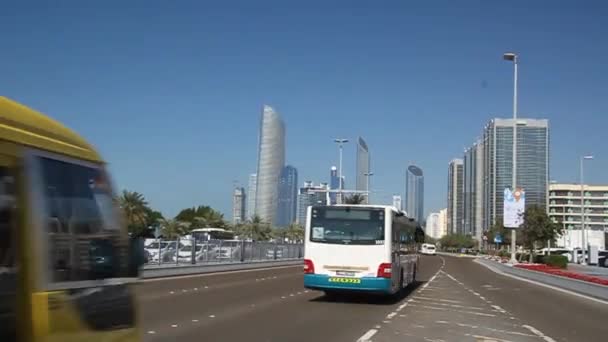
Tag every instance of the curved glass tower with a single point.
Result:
(414, 193)
(271, 159)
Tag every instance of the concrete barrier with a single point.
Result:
(582, 287)
(163, 271)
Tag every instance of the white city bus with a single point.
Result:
(367, 248)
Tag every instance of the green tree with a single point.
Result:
(538, 227)
(295, 232)
(135, 209)
(354, 199)
(202, 217)
(172, 229)
(256, 229)
(457, 241)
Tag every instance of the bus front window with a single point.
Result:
(347, 226)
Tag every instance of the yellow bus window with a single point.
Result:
(84, 237)
(8, 272)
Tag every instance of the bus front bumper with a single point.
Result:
(330, 283)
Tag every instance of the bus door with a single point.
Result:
(8, 243)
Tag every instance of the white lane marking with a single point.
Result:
(454, 305)
(441, 300)
(211, 316)
(206, 287)
(299, 293)
(291, 295)
(391, 315)
(220, 273)
(429, 307)
(369, 334)
(194, 320)
(541, 284)
(402, 306)
(184, 290)
(377, 326)
(488, 339)
(499, 309)
(306, 291)
(386, 322)
(171, 292)
(538, 333)
(442, 322)
(196, 289)
(151, 332)
(173, 325)
(283, 297)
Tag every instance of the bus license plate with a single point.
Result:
(345, 280)
(345, 273)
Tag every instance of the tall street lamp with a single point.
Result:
(510, 56)
(340, 143)
(583, 230)
(367, 175)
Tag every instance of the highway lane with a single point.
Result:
(269, 305)
(464, 301)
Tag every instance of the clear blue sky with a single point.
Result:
(171, 94)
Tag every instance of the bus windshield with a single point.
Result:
(352, 226)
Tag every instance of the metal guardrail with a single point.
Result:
(211, 254)
(574, 285)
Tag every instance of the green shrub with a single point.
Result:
(560, 261)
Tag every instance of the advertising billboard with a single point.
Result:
(514, 208)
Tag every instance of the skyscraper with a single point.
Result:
(238, 205)
(414, 193)
(288, 195)
(432, 228)
(473, 190)
(308, 195)
(455, 213)
(397, 201)
(532, 163)
(271, 159)
(251, 190)
(334, 183)
(362, 166)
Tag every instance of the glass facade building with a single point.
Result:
(455, 209)
(238, 205)
(251, 190)
(288, 195)
(334, 183)
(414, 193)
(271, 159)
(532, 163)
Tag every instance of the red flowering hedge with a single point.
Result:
(560, 272)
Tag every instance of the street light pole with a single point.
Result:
(509, 56)
(367, 175)
(583, 230)
(340, 143)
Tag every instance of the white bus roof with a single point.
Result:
(371, 206)
(209, 230)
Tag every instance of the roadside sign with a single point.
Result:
(514, 206)
(498, 238)
(157, 232)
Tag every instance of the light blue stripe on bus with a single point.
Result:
(371, 284)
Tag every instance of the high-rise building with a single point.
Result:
(532, 163)
(363, 166)
(443, 223)
(397, 202)
(473, 191)
(455, 210)
(414, 193)
(308, 195)
(288, 195)
(271, 159)
(565, 209)
(334, 183)
(251, 190)
(432, 228)
(238, 205)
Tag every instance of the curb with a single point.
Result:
(595, 291)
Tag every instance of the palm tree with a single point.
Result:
(202, 217)
(295, 232)
(172, 228)
(355, 199)
(135, 209)
(257, 229)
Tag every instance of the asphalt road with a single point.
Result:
(455, 300)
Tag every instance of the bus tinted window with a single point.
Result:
(84, 239)
(8, 275)
(347, 226)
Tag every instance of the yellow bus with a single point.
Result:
(67, 265)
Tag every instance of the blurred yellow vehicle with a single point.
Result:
(67, 264)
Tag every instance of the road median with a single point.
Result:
(165, 271)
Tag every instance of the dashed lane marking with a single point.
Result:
(367, 336)
(538, 333)
(151, 332)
